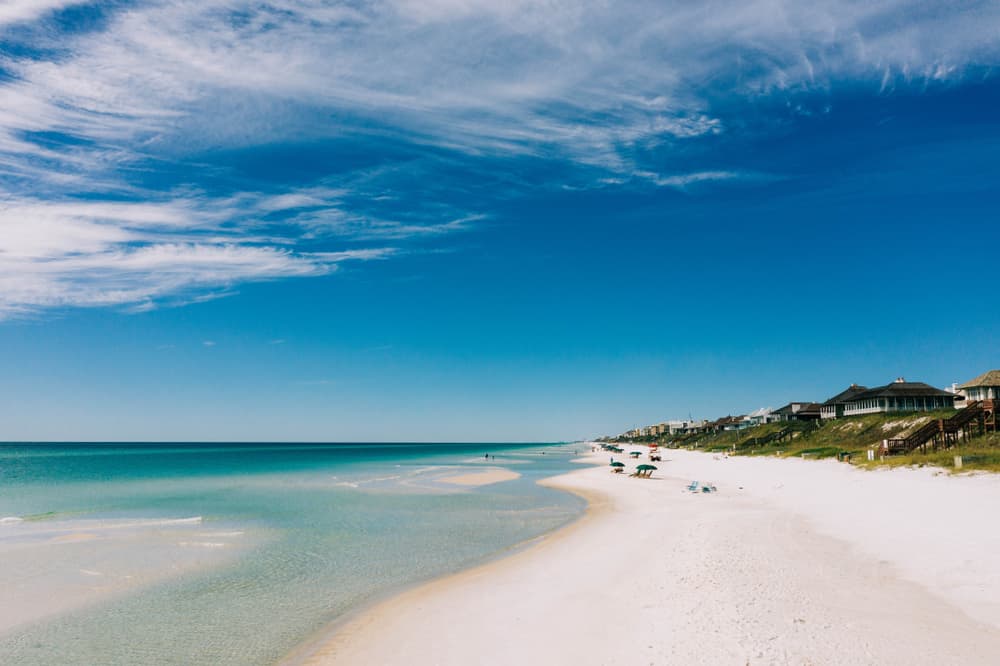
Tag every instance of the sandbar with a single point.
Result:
(483, 478)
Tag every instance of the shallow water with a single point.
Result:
(235, 554)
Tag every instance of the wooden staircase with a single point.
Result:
(941, 432)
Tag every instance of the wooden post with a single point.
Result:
(958, 462)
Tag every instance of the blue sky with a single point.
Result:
(455, 220)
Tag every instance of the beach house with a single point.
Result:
(834, 407)
(899, 396)
(758, 417)
(798, 411)
(684, 427)
(984, 387)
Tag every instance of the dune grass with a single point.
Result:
(850, 438)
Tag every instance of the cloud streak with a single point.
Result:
(104, 133)
(16, 11)
(136, 255)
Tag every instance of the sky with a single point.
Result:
(464, 220)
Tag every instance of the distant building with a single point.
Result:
(899, 396)
(726, 423)
(983, 387)
(680, 427)
(798, 411)
(834, 407)
(758, 417)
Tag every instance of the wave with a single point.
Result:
(96, 524)
(115, 524)
(202, 544)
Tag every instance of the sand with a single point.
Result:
(790, 562)
(481, 478)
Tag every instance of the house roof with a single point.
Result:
(991, 378)
(726, 420)
(798, 407)
(901, 389)
(763, 411)
(846, 395)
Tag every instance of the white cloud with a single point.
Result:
(136, 255)
(14, 11)
(572, 78)
(591, 83)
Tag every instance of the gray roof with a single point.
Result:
(846, 395)
(902, 390)
(788, 409)
(991, 378)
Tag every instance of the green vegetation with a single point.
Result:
(848, 438)
(975, 456)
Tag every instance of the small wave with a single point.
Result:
(145, 522)
(196, 520)
(11, 520)
(37, 517)
(202, 544)
(378, 479)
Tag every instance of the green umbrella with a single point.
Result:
(617, 464)
(645, 467)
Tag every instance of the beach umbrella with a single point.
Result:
(617, 464)
(645, 467)
(635, 454)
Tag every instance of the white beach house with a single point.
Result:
(834, 407)
(984, 387)
(899, 396)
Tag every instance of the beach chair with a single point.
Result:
(693, 487)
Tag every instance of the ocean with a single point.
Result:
(238, 553)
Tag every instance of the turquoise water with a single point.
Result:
(236, 554)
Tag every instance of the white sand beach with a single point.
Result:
(789, 562)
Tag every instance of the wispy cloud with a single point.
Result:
(137, 254)
(14, 11)
(104, 133)
(580, 79)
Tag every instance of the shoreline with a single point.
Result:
(682, 577)
(330, 636)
